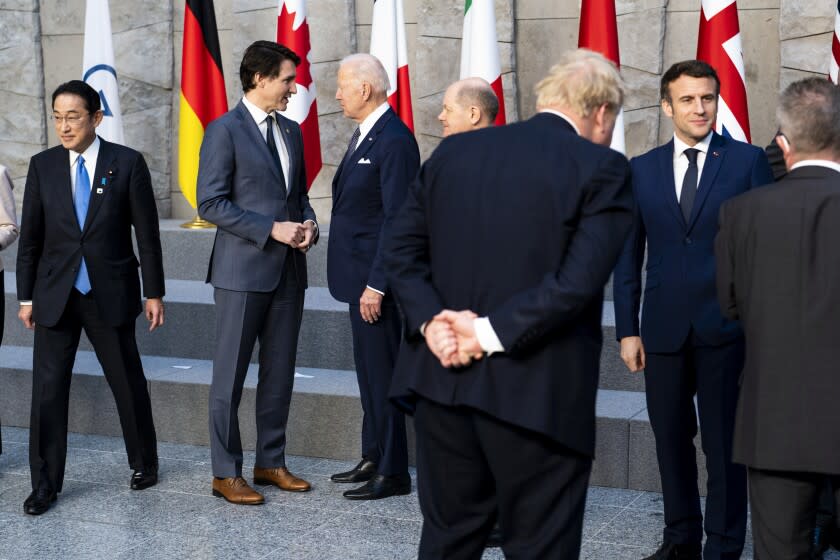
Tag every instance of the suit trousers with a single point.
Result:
(784, 511)
(54, 354)
(375, 348)
(473, 469)
(671, 381)
(242, 318)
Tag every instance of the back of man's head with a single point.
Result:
(581, 82)
(478, 92)
(809, 118)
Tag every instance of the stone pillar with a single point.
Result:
(805, 34)
(22, 120)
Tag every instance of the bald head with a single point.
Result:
(362, 85)
(468, 104)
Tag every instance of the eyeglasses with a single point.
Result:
(72, 120)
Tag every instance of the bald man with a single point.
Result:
(468, 104)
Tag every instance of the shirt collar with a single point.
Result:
(816, 163)
(366, 125)
(256, 113)
(702, 145)
(90, 154)
(562, 116)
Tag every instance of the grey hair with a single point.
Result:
(367, 68)
(809, 115)
(477, 91)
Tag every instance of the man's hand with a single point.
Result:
(308, 236)
(440, 338)
(633, 353)
(154, 312)
(25, 315)
(370, 305)
(290, 233)
(462, 324)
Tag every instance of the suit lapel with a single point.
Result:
(714, 159)
(252, 130)
(60, 180)
(365, 144)
(286, 134)
(101, 181)
(666, 171)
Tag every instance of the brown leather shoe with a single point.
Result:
(236, 491)
(281, 478)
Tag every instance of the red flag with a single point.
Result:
(293, 32)
(387, 43)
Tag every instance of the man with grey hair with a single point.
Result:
(778, 273)
(503, 316)
(468, 104)
(369, 187)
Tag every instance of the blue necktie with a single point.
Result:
(689, 186)
(81, 200)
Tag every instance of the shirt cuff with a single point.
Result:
(486, 336)
(314, 223)
(26, 302)
(381, 293)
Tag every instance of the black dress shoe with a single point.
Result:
(671, 551)
(380, 486)
(362, 472)
(39, 501)
(144, 478)
(495, 538)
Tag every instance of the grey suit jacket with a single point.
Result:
(241, 191)
(8, 220)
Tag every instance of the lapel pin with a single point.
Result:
(103, 181)
(715, 154)
(100, 190)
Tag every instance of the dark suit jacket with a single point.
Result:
(51, 244)
(680, 288)
(779, 274)
(240, 190)
(523, 224)
(366, 197)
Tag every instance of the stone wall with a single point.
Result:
(41, 46)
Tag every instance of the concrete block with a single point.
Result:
(804, 18)
(136, 15)
(799, 53)
(427, 144)
(20, 52)
(641, 37)
(324, 75)
(92, 406)
(134, 48)
(138, 95)
(630, 6)
(61, 16)
(16, 153)
(760, 36)
(789, 75)
(542, 10)
(19, 5)
(336, 131)
(510, 89)
(744, 7)
(426, 111)
(641, 88)
(22, 119)
(441, 18)
(641, 128)
(438, 62)
(331, 29)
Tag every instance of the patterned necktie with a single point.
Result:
(81, 201)
(351, 147)
(689, 185)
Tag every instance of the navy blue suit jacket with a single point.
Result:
(368, 189)
(680, 288)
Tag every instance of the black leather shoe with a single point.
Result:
(362, 472)
(144, 478)
(495, 538)
(380, 486)
(39, 501)
(671, 551)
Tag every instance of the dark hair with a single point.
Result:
(263, 58)
(692, 68)
(83, 90)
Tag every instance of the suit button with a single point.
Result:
(688, 241)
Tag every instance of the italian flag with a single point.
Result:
(599, 32)
(480, 50)
(387, 43)
(293, 32)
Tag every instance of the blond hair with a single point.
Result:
(581, 81)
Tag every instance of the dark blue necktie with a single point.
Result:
(81, 201)
(689, 185)
(272, 146)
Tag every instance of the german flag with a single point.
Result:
(203, 96)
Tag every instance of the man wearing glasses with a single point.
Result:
(76, 269)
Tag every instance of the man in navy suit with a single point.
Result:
(522, 225)
(252, 185)
(369, 187)
(685, 345)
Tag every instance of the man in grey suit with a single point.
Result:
(252, 186)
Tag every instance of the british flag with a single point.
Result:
(719, 44)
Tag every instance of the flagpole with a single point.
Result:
(197, 223)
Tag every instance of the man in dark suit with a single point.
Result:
(252, 186)
(779, 275)
(369, 187)
(76, 269)
(685, 345)
(511, 435)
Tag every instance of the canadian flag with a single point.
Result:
(599, 32)
(293, 32)
(387, 43)
(719, 44)
(480, 49)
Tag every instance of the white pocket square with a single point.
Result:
(364, 161)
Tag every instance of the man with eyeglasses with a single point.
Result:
(76, 269)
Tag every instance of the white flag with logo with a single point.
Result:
(98, 68)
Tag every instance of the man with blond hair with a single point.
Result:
(503, 318)
(468, 104)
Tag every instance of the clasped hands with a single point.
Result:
(451, 337)
(294, 234)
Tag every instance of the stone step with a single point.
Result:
(325, 337)
(325, 417)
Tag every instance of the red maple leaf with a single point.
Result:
(298, 41)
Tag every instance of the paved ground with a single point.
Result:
(97, 516)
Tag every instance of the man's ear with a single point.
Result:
(475, 115)
(667, 108)
(783, 144)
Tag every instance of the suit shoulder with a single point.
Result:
(49, 155)
(287, 122)
(649, 157)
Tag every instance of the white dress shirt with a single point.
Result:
(816, 163)
(367, 124)
(260, 117)
(681, 160)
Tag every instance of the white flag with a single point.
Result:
(98, 68)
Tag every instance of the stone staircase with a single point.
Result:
(325, 418)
